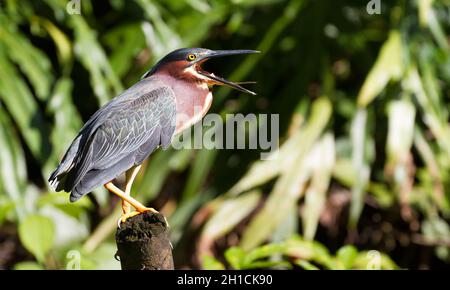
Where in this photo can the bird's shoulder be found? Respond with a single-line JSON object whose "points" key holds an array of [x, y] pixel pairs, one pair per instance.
{"points": [[149, 100], [149, 95], [143, 92], [145, 115]]}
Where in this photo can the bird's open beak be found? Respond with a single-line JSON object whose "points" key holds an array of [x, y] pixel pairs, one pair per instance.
{"points": [[219, 80]]}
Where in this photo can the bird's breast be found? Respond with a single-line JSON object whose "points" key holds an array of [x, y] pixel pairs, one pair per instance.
{"points": [[193, 102]]}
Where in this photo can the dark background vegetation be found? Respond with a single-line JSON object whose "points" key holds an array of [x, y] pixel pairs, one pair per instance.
{"points": [[362, 176]]}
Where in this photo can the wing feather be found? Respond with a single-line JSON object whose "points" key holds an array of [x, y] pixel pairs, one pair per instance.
{"points": [[132, 125]]}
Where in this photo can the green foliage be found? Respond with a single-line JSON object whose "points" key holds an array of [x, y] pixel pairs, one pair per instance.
{"points": [[364, 150], [229, 213], [387, 67], [37, 234], [291, 183], [28, 266], [308, 255]]}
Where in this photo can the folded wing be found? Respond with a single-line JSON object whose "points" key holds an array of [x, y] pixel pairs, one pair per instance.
{"points": [[120, 135]]}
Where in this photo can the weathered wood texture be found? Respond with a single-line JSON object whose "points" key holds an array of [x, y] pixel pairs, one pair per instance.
{"points": [[143, 243]]}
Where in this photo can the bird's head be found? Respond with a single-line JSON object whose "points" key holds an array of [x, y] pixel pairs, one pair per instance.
{"points": [[186, 64]]}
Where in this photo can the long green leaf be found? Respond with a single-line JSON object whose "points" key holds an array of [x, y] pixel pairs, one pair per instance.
{"points": [[360, 165], [33, 62], [24, 109], [388, 66], [229, 214], [289, 187], [37, 234], [315, 195], [88, 50]]}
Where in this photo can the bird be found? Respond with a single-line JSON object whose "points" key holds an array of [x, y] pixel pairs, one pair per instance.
{"points": [[123, 133]]}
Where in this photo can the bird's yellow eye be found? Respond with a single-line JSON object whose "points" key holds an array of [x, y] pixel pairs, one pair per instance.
{"points": [[191, 56]]}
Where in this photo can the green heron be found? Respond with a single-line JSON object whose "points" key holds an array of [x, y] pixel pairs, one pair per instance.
{"points": [[125, 131]]}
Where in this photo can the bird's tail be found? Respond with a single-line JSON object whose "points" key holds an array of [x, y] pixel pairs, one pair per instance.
{"points": [[57, 179]]}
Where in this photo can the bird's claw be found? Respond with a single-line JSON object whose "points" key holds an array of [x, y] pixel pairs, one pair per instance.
{"points": [[128, 215]]}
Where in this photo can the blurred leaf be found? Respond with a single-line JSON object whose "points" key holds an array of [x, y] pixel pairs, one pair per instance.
{"points": [[256, 258], [425, 7], [343, 171], [180, 160], [59, 200], [182, 216], [288, 227], [37, 234], [433, 169], [360, 165], [67, 118], [374, 260], [24, 109], [347, 255], [436, 230], [102, 257], [131, 40], [299, 248], [289, 187], [91, 54], [12, 163], [388, 66], [289, 14], [28, 266], [5, 208], [305, 264], [283, 159], [269, 264], [203, 162], [155, 173], [61, 40], [235, 256], [159, 36], [400, 132], [254, 2], [399, 142], [252, 258], [210, 263], [229, 214], [200, 5], [33, 62], [315, 196], [428, 18], [437, 125]]}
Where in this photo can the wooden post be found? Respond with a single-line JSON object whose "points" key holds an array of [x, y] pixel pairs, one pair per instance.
{"points": [[143, 243]]}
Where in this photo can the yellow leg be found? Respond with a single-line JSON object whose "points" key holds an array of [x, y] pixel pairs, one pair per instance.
{"points": [[140, 208], [130, 176]]}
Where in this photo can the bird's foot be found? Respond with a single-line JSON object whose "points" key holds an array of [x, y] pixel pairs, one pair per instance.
{"points": [[128, 215], [145, 209]]}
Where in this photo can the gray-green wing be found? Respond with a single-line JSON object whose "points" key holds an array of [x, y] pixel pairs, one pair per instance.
{"points": [[120, 135], [136, 127]]}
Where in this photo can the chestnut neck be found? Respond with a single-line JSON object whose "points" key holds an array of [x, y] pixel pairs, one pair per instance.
{"points": [[176, 70], [193, 97]]}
